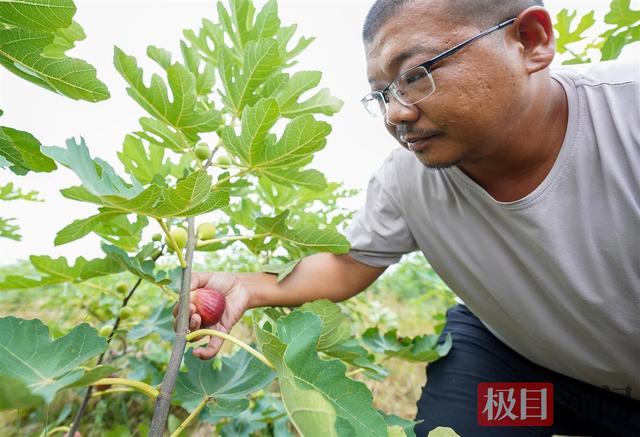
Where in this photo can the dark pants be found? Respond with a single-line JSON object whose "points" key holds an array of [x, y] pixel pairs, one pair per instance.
{"points": [[450, 396]]}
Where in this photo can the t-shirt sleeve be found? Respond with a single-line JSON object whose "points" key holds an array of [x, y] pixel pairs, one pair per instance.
{"points": [[378, 233]]}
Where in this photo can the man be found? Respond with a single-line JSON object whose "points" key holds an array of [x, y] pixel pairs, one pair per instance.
{"points": [[521, 186]]}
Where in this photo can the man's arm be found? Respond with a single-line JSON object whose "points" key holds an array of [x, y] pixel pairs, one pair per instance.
{"points": [[322, 275]]}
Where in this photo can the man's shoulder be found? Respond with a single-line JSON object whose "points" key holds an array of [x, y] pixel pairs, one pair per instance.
{"points": [[605, 73]]}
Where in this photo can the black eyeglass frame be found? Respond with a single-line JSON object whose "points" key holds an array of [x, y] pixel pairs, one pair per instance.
{"points": [[428, 64]]}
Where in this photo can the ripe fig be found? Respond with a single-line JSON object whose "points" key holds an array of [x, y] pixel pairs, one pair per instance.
{"points": [[206, 231], [202, 151], [209, 304]]}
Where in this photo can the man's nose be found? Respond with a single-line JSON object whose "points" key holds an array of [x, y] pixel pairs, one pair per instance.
{"points": [[397, 113]]}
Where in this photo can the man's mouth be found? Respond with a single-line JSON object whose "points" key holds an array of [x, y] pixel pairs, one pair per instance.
{"points": [[418, 144]]}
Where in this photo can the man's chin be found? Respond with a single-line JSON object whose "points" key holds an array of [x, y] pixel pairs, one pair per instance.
{"points": [[438, 164]]}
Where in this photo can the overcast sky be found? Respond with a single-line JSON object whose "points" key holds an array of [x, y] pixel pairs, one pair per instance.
{"points": [[356, 147]]}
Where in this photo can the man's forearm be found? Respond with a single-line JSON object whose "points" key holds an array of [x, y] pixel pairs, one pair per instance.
{"points": [[322, 275]]}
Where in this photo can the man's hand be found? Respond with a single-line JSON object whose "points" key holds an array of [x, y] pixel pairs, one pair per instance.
{"points": [[237, 302]]}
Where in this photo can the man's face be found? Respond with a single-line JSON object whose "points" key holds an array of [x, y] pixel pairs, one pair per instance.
{"points": [[479, 90]]}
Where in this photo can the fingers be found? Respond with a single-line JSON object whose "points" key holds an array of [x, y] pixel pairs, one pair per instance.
{"points": [[194, 322], [212, 348], [194, 318], [199, 279]]}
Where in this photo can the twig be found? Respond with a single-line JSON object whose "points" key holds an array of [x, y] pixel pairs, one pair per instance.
{"points": [[163, 403], [231, 238], [200, 332], [138, 385], [191, 416]]}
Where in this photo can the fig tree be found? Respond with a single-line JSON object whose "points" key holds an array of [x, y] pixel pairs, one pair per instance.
{"points": [[209, 304], [206, 231]]}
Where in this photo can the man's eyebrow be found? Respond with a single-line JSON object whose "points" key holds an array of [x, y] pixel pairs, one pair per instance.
{"points": [[398, 59]]}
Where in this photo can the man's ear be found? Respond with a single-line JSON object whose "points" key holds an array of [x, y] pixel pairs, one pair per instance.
{"points": [[534, 30]]}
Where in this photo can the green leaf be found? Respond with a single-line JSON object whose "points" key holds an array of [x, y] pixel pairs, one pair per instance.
{"points": [[299, 83], [302, 137], [9, 230], [96, 175], [261, 59], [45, 366], [37, 14], [267, 22], [181, 110], [205, 74], [144, 269], [160, 322], [101, 185], [14, 394], [123, 233], [8, 192], [442, 432], [282, 270], [283, 37], [423, 348], [144, 166], [160, 134], [79, 228], [405, 425], [321, 240], [239, 376], [319, 398], [57, 271], [22, 150], [566, 36], [93, 375], [336, 327], [614, 44], [293, 177], [621, 14], [21, 53], [64, 39], [352, 352], [257, 120]]}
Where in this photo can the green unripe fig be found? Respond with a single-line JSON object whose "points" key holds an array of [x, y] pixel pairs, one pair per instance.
{"points": [[223, 160], [202, 151], [125, 313], [156, 237], [122, 287], [105, 331], [206, 231], [180, 236]]}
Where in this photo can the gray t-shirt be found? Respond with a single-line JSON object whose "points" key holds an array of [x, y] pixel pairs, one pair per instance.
{"points": [[554, 275]]}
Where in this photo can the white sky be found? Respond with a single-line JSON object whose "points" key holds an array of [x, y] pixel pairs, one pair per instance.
{"points": [[356, 147]]}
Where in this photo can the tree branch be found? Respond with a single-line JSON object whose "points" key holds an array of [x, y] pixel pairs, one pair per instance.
{"points": [[163, 403]]}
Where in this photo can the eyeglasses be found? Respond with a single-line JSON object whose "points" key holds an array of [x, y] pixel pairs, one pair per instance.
{"points": [[416, 84]]}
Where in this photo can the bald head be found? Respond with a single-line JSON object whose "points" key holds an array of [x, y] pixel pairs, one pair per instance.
{"points": [[483, 13]]}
